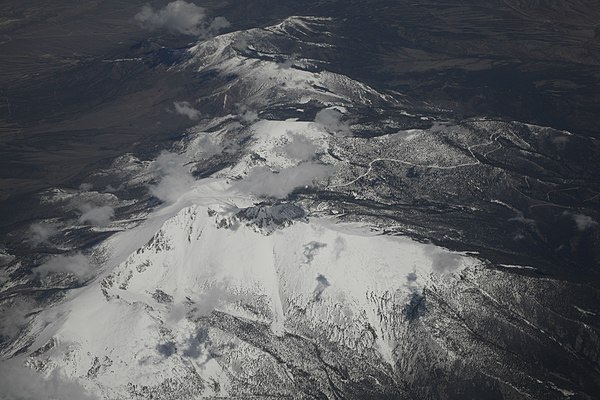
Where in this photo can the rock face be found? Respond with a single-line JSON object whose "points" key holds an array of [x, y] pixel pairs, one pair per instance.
{"points": [[269, 218], [313, 236]]}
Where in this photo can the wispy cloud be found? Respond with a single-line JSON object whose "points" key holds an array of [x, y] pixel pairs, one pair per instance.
{"points": [[560, 141], [215, 296], [206, 145], [181, 17], [5, 257], [246, 114], [299, 147], [262, 181], [219, 293], [86, 187], [174, 177], [288, 63], [443, 261], [13, 318], [95, 215], [582, 222], [18, 382], [331, 120], [77, 265], [186, 109], [41, 233]]}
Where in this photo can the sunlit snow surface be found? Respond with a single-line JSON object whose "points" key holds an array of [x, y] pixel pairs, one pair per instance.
{"points": [[193, 257], [312, 277], [282, 246]]}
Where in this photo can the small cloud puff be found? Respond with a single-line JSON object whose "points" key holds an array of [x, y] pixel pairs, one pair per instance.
{"points": [[331, 119], [262, 181], [180, 17], [185, 108], [246, 114], [443, 261], [207, 145], [13, 317], [288, 63], [77, 265], [175, 177], [97, 216], [86, 187], [41, 233], [560, 141], [19, 382], [299, 147], [583, 222]]}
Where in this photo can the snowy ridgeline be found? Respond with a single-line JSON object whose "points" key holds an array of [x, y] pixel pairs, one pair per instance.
{"points": [[229, 286], [314, 278], [216, 246], [215, 249]]}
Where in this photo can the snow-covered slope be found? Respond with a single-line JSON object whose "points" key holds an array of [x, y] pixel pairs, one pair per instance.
{"points": [[283, 271], [143, 325], [314, 278]]}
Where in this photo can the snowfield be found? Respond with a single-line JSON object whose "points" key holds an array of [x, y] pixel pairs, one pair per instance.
{"points": [[308, 276], [231, 287]]}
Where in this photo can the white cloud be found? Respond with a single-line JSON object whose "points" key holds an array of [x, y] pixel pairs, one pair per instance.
{"points": [[21, 383], [218, 24], [262, 181], [98, 216], [13, 317], [560, 141], [207, 145], [299, 147], [443, 261], [583, 222], [331, 119], [5, 257], [177, 313], [180, 17], [246, 114], [218, 294], [288, 63], [86, 187], [77, 265], [175, 177], [185, 108], [214, 297], [41, 233], [249, 116]]}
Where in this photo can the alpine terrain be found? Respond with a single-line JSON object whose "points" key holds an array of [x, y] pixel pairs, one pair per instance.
{"points": [[300, 200]]}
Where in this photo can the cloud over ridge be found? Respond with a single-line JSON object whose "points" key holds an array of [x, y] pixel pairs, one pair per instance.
{"points": [[264, 182], [180, 17]]}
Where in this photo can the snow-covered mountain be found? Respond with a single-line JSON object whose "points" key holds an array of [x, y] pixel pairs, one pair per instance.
{"points": [[291, 254]]}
